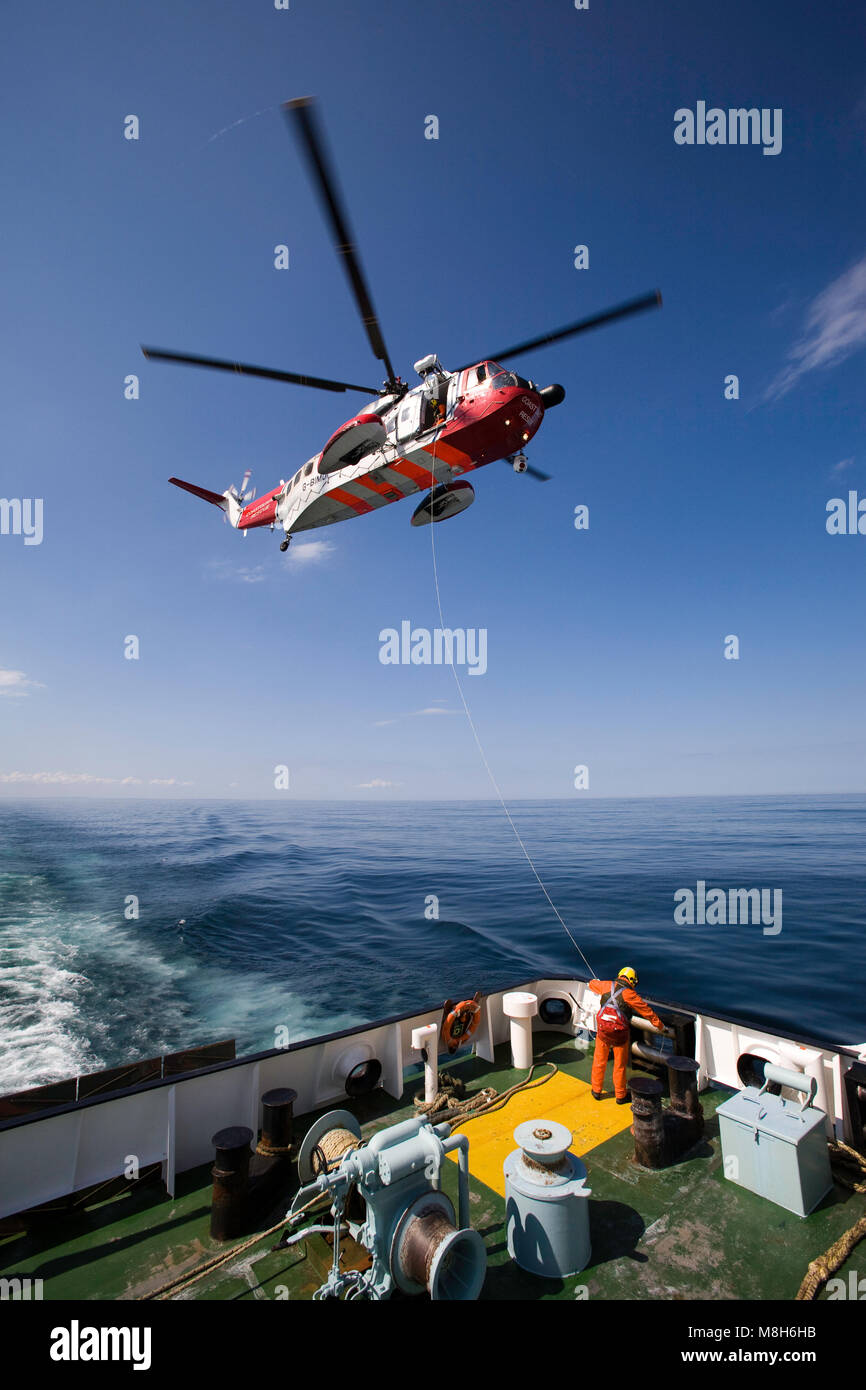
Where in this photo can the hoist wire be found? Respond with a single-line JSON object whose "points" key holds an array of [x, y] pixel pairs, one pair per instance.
{"points": [[481, 752]]}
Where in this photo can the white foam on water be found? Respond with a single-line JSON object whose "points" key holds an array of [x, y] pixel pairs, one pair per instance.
{"points": [[252, 1008], [39, 1002], [80, 992], [50, 1027]]}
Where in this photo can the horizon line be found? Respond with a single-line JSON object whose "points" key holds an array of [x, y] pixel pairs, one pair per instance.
{"points": [[275, 798]]}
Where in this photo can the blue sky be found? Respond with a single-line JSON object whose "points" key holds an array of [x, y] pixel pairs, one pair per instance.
{"points": [[707, 516]]}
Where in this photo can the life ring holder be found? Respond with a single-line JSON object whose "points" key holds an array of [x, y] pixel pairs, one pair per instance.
{"points": [[460, 1022]]}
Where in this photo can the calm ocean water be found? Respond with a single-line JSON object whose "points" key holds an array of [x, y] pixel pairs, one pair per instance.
{"points": [[256, 915]]}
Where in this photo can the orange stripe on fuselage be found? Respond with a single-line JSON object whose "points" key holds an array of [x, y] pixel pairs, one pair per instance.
{"points": [[421, 476], [349, 499], [386, 490], [447, 452]]}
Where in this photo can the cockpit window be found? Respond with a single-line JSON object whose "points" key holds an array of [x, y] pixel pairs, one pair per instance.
{"points": [[499, 377], [493, 377]]}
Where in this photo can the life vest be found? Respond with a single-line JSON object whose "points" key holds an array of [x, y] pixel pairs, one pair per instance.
{"points": [[612, 1021]]}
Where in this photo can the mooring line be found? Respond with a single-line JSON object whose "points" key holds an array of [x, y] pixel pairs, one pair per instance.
{"points": [[483, 755]]}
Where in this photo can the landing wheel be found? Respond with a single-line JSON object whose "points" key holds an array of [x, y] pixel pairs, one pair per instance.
{"points": [[284, 545]]}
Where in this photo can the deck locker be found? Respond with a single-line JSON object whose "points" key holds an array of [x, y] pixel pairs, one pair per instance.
{"points": [[777, 1147]]}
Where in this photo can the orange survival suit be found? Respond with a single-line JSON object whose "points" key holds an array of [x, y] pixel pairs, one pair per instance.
{"points": [[629, 1002]]}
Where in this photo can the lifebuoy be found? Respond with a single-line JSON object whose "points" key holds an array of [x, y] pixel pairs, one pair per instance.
{"points": [[460, 1023]]}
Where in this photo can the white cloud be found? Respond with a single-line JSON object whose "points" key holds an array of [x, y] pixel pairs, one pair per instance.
{"points": [[305, 553], [834, 328], [413, 714], [243, 574], [376, 782], [842, 465], [17, 683], [54, 778], [63, 779], [309, 552]]}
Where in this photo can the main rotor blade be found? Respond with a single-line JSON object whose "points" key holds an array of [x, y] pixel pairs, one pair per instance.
{"points": [[244, 369], [301, 111], [620, 311]]}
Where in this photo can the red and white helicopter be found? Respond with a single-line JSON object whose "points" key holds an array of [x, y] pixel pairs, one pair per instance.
{"points": [[404, 440]]}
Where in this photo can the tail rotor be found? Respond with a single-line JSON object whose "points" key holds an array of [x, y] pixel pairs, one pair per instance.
{"points": [[240, 495]]}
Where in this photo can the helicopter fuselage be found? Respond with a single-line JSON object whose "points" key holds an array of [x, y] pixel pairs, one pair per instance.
{"points": [[449, 425], [404, 440]]}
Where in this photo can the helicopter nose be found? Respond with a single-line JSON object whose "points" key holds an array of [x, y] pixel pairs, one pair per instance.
{"points": [[552, 395]]}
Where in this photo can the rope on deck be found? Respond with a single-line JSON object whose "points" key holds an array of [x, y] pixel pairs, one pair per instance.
{"points": [[175, 1286], [820, 1270], [447, 1105]]}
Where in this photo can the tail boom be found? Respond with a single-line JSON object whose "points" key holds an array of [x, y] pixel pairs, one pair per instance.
{"points": [[226, 501]]}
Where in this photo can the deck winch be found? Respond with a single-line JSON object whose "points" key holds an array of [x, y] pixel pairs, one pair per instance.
{"points": [[405, 1221]]}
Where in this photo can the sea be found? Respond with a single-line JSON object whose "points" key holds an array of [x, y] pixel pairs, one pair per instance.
{"points": [[132, 929]]}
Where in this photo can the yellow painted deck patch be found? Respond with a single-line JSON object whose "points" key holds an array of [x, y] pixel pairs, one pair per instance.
{"points": [[563, 1098]]}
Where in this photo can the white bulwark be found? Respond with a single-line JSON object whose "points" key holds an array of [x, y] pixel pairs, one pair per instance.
{"points": [[50, 1154]]}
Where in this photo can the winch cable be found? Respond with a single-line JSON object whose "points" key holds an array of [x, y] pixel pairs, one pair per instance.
{"points": [[487, 766]]}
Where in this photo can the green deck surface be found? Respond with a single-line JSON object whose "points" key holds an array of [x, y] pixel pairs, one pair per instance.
{"points": [[684, 1232]]}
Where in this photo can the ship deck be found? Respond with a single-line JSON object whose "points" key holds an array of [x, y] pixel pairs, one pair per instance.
{"points": [[683, 1232]]}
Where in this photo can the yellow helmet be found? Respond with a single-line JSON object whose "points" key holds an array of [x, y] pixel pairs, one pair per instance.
{"points": [[628, 974]]}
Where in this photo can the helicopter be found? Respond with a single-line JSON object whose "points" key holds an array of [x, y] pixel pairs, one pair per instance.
{"points": [[406, 439]]}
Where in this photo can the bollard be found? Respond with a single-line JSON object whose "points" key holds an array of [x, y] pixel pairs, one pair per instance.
{"points": [[683, 1088], [277, 1117], [230, 1180], [648, 1128], [684, 1120]]}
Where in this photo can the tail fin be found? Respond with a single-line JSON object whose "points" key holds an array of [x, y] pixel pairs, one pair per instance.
{"points": [[226, 501]]}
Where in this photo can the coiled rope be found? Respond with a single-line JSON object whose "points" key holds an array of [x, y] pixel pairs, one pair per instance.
{"points": [[331, 1148], [447, 1105]]}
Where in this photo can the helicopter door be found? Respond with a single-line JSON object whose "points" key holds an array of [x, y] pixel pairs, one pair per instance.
{"points": [[409, 415]]}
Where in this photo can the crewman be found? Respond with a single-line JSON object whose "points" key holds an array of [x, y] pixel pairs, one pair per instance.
{"points": [[619, 1001]]}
